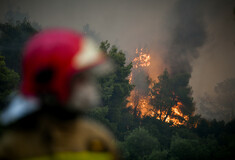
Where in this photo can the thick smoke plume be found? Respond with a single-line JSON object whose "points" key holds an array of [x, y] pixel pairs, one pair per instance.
{"points": [[188, 34]]}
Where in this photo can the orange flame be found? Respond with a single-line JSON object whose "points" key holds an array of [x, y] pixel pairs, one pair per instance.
{"points": [[143, 60], [130, 78], [142, 103]]}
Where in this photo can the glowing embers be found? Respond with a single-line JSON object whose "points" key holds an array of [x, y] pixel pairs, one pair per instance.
{"points": [[143, 60]]}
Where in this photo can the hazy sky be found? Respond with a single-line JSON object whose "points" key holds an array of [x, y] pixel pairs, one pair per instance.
{"points": [[199, 35]]}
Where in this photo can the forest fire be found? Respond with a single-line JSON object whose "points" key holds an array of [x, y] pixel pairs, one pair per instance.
{"points": [[139, 99], [143, 60], [177, 112]]}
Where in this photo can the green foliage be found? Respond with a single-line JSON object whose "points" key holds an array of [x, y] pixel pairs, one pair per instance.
{"points": [[12, 38], [184, 148], [99, 113], [195, 148], [185, 133], [115, 88], [139, 144], [8, 81], [159, 155], [161, 130]]}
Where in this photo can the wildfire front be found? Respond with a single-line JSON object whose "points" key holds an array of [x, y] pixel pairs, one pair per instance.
{"points": [[142, 96]]}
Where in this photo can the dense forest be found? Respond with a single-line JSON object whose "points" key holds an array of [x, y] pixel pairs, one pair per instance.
{"points": [[138, 137]]}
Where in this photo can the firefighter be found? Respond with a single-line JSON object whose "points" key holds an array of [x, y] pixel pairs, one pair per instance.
{"points": [[45, 119]]}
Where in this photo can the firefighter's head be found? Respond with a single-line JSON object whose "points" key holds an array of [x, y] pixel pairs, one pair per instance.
{"points": [[58, 67], [58, 63]]}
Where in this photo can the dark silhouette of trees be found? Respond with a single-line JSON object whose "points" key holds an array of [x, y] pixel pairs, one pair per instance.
{"points": [[12, 39], [8, 81], [167, 92]]}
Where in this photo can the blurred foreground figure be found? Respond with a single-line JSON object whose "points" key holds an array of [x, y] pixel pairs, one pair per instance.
{"points": [[45, 119]]}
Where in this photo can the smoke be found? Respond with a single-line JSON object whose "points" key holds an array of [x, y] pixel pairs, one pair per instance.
{"points": [[16, 15], [215, 65], [222, 105], [91, 33], [202, 43], [140, 80], [188, 35]]}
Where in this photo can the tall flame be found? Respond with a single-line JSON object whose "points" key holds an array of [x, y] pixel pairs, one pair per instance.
{"points": [[143, 60], [141, 103]]}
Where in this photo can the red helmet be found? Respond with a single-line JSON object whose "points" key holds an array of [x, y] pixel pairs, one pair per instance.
{"points": [[55, 56]]}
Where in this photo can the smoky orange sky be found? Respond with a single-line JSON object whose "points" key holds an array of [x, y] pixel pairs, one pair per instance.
{"points": [[193, 36]]}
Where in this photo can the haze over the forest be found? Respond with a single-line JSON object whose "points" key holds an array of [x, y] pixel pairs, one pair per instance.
{"points": [[196, 36]]}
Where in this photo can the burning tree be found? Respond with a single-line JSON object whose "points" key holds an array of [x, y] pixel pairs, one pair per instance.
{"points": [[171, 98], [168, 98], [139, 77]]}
